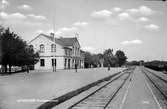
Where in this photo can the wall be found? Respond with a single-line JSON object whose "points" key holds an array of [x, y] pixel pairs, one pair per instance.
{"points": [[48, 55]]}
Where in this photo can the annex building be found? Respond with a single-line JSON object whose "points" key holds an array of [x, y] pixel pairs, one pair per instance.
{"points": [[64, 53]]}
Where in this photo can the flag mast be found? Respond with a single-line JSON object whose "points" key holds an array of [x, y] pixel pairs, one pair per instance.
{"points": [[54, 40]]}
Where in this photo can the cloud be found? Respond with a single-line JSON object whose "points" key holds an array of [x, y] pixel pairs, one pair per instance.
{"points": [[152, 27], [88, 48], [144, 10], [4, 4], [80, 23], [143, 19], [124, 16], [37, 17], [131, 42], [66, 31], [13, 16], [127, 16], [63, 31], [117, 9], [17, 19], [103, 14], [20, 16], [21, 23], [58, 33], [132, 10], [39, 31], [29, 23], [25, 7]]}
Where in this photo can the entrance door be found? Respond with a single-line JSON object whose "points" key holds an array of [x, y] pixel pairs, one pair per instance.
{"points": [[68, 63], [54, 64], [65, 63]]}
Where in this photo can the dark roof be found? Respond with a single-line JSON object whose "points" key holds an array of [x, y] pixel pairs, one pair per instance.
{"points": [[68, 41], [67, 48], [55, 39], [82, 51], [61, 41]]}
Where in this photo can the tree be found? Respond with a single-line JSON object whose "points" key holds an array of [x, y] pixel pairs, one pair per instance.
{"points": [[101, 59], [109, 58], [121, 57], [95, 60], [15, 51], [88, 59], [1, 30]]}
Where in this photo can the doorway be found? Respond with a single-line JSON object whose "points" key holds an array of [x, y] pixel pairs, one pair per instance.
{"points": [[54, 63]]}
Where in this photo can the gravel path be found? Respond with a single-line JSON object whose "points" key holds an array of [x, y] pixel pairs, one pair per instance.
{"points": [[28, 91]]}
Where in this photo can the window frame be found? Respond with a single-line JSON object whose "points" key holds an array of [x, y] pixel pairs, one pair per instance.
{"points": [[42, 48], [42, 62], [53, 48]]}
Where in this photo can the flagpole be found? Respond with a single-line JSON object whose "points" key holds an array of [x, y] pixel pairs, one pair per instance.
{"points": [[53, 24]]}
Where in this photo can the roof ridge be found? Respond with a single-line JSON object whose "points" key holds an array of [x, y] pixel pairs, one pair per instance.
{"points": [[63, 41]]}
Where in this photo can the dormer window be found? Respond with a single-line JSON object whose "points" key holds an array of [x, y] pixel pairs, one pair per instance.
{"points": [[53, 48], [42, 48]]}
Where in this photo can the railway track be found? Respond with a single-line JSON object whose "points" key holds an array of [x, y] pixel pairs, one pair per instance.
{"points": [[103, 96], [159, 83], [161, 78]]}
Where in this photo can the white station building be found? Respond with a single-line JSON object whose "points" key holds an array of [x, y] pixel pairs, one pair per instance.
{"points": [[64, 53]]}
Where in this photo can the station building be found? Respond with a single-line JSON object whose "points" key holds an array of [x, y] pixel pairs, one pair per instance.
{"points": [[64, 53]]}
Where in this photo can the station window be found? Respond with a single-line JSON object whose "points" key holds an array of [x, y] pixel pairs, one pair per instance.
{"points": [[53, 48], [42, 48], [42, 62]]}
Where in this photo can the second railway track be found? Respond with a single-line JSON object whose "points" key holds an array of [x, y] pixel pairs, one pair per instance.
{"points": [[160, 84]]}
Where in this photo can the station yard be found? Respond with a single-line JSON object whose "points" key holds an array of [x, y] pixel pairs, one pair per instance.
{"points": [[28, 91]]}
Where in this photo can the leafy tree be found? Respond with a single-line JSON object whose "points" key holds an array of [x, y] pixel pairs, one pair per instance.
{"points": [[1, 30], [88, 59], [121, 57], [92, 59], [15, 51], [132, 63], [100, 56], [101, 59], [95, 60], [109, 58]]}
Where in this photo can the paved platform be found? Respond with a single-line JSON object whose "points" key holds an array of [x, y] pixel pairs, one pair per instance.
{"points": [[139, 94], [28, 91]]}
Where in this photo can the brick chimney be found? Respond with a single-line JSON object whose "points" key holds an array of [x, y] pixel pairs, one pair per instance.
{"points": [[52, 34]]}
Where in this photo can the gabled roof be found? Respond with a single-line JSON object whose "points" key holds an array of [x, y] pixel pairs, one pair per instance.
{"points": [[65, 42], [82, 51], [55, 39], [50, 38]]}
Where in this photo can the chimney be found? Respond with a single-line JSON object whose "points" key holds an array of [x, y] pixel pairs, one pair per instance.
{"points": [[52, 35]]}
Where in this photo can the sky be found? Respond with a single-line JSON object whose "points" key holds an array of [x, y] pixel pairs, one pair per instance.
{"points": [[138, 27]]}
